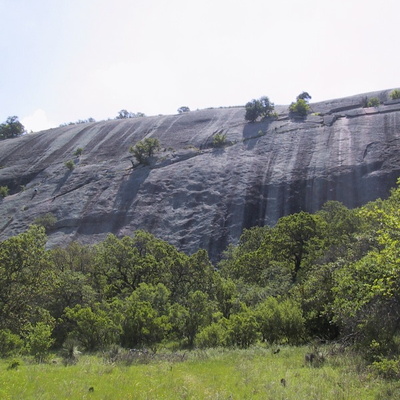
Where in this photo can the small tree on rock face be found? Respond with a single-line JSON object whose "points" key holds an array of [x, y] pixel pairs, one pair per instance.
{"points": [[304, 96], [259, 108], [144, 149], [11, 128], [183, 109]]}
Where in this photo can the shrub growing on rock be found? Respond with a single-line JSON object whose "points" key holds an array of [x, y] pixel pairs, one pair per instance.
{"points": [[144, 149], [258, 108], [78, 151], [70, 164], [3, 191], [219, 139], [373, 102], [395, 94], [47, 221], [300, 108]]}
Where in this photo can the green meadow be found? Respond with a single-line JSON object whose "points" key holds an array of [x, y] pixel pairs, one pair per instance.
{"points": [[254, 373]]}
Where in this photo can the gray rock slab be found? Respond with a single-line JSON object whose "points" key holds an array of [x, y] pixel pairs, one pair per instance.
{"points": [[191, 194]]}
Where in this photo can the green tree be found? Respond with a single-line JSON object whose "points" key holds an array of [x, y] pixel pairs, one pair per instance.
{"points": [[146, 321], [11, 128], [258, 108], [145, 149], [304, 96], [369, 288], [213, 335], [242, 328], [316, 298], [39, 340], [10, 343], [280, 322], [26, 277], [94, 327], [122, 264], [190, 318], [292, 237]]}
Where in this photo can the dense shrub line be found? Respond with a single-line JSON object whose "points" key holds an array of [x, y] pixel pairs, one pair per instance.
{"points": [[329, 275]]}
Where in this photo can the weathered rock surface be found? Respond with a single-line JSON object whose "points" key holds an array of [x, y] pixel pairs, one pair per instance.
{"points": [[191, 194]]}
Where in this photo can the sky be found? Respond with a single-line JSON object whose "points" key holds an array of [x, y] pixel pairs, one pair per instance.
{"points": [[65, 60]]}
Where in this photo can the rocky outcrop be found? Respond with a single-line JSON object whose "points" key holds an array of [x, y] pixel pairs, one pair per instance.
{"points": [[191, 194]]}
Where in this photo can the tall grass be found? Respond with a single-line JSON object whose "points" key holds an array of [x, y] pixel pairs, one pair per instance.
{"points": [[256, 373]]}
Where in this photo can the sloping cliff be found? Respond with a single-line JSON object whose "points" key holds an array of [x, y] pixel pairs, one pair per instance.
{"points": [[191, 194]]}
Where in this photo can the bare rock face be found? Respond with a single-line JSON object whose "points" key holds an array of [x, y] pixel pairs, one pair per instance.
{"points": [[192, 194]]}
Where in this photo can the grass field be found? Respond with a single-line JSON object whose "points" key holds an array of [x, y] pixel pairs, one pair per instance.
{"points": [[256, 373]]}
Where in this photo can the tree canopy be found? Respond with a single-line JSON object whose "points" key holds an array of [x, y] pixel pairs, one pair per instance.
{"points": [[328, 275], [11, 128], [145, 149], [258, 108]]}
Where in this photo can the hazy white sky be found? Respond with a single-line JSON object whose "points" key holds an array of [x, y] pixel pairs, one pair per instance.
{"points": [[64, 60]]}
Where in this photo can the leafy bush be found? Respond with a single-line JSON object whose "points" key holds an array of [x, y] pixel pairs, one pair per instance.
{"points": [[373, 102], [78, 151], [15, 363], [144, 149], [395, 94], [3, 191], [258, 108], [39, 340], [9, 343], [94, 329], [213, 335], [280, 322], [242, 329], [70, 164], [387, 369], [47, 221], [219, 140], [300, 108]]}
